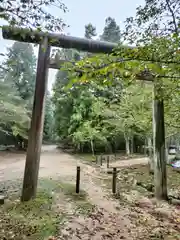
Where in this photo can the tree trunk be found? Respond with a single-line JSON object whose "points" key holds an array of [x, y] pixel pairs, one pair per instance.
{"points": [[160, 175], [114, 148], [92, 147], [132, 145], [127, 140], [145, 147], [167, 153], [150, 154], [177, 145]]}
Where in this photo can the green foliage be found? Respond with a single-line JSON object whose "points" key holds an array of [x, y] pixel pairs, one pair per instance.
{"points": [[32, 14], [132, 116], [111, 32], [82, 205], [97, 115], [78, 110], [14, 118], [107, 102], [97, 108], [18, 86], [90, 31], [154, 18], [69, 190], [21, 65], [34, 219]]}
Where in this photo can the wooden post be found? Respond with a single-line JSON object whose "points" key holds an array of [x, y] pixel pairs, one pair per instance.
{"points": [[2, 199], [101, 160], [132, 145], [114, 180], [108, 157], [78, 180], [37, 123], [145, 147], [160, 175]]}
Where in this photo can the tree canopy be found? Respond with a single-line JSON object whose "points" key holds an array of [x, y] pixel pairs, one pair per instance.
{"points": [[33, 14], [102, 103], [17, 91]]}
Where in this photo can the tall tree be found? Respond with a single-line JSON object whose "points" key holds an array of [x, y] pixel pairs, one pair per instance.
{"points": [[157, 23], [21, 73], [154, 18], [111, 32], [21, 65], [62, 98], [14, 115], [48, 132], [90, 31]]}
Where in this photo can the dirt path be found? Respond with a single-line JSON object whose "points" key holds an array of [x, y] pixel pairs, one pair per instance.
{"points": [[53, 163], [106, 223], [131, 162]]}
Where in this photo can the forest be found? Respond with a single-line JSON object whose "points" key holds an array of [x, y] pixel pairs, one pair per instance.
{"points": [[122, 108], [18, 76], [107, 111]]}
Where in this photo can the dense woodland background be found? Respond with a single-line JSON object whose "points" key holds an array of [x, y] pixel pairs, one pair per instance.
{"points": [[105, 112], [101, 104]]}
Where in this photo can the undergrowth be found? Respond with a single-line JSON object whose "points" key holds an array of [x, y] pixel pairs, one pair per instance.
{"points": [[34, 219], [39, 218], [138, 178], [135, 192], [82, 205]]}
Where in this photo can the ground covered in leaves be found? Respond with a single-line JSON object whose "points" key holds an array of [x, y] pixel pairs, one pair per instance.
{"points": [[44, 216], [58, 213], [153, 219]]}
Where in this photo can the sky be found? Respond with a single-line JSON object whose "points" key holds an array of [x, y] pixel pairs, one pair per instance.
{"points": [[82, 12]]}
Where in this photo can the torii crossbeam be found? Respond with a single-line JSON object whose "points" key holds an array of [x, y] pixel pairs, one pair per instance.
{"points": [[57, 40]]}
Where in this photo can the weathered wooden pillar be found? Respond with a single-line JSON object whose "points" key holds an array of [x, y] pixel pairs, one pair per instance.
{"points": [[160, 175], [37, 123]]}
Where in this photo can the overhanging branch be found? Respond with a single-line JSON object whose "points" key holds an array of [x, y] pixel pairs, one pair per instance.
{"points": [[143, 75]]}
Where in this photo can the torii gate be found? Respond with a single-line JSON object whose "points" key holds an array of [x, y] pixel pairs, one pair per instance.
{"points": [[45, 41]]}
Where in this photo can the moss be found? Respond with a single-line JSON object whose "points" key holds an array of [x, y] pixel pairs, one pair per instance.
{"points": [[86, 158], [34, 219], [82, 205], [39, 218], [69, 190]]}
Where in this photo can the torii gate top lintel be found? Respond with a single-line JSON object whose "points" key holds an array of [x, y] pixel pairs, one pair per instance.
{"points": [[57, 40]]}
